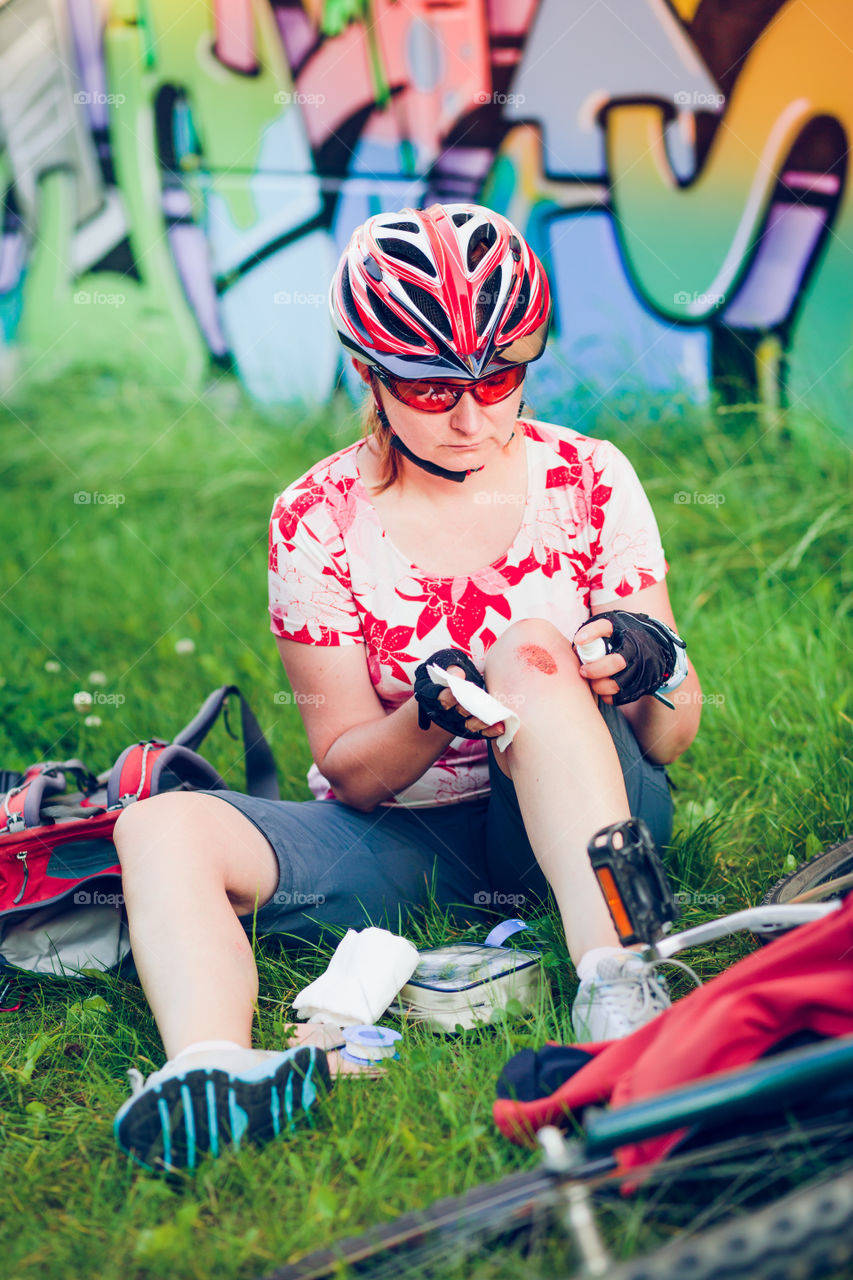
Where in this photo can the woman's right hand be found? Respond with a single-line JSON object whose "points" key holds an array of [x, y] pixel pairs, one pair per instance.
{"points": [[365, 751], [438, 705], [472, 724]]}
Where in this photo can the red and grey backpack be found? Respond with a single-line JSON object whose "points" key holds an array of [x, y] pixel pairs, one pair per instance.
{"points": [[60, 880]]}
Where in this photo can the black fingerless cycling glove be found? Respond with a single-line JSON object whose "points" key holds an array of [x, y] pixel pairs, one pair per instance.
{"points": [[650, 649], [430, 710]]}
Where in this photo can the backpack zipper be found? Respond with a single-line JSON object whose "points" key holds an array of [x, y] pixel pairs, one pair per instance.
{"points": [[22, 857]]}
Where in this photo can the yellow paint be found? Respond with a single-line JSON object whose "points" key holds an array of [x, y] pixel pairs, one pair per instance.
{"points": [[688, 248], [686, 9]]}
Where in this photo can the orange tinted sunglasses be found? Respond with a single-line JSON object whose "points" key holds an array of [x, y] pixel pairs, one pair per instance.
{"points": [[428, 396]]}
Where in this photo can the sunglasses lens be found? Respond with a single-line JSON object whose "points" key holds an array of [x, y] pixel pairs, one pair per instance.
{"points": [[437, 397], [428, 397], [500, 385]]}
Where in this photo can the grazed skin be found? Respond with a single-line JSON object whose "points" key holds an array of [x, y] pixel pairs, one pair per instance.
{"points": [[533, 655]]}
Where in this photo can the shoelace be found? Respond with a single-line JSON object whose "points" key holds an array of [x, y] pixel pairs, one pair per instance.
{"points": [[137, 1081], [634, 992]]}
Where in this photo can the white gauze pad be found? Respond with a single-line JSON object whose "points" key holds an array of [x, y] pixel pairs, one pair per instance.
{"points": [[478, 702]]}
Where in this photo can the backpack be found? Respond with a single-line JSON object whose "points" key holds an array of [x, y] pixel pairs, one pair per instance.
{"points": [[61, 906]]}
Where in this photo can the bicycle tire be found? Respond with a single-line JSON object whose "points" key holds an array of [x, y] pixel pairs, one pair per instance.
{"points": [[423, 1243], [517, 1197], [827, 865], [807, 1233]]}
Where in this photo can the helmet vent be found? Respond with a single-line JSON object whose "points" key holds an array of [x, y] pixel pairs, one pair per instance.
{"points": [[401, 226], [521, 304], [392, 322], [349, 304], [404, 251], [487, 300], [482, 239], [461, 218], [429, 307]]}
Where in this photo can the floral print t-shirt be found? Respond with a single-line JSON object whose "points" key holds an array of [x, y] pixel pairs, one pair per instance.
{"points": [[587, 537]]}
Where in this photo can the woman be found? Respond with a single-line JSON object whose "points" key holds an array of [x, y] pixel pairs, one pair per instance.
{"points": [[460, 533]]}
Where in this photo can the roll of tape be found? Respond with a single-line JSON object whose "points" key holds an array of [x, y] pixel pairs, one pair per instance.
{"points": [[370, 1044]]}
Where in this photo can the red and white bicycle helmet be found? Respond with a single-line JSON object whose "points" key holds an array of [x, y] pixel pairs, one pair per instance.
{"points": [[452, 291]]}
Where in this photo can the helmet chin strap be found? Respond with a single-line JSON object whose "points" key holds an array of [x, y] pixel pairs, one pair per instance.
{"points": [[432, 467]]}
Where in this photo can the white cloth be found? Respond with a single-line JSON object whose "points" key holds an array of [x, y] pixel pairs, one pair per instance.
{"points": [[364, 975], [477, 702]]}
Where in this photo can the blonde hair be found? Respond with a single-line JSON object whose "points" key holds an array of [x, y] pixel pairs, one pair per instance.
{"points": [[389, 460]]}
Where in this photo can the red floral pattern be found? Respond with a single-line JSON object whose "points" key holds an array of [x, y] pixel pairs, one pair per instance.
{"points": [[588, 536]]}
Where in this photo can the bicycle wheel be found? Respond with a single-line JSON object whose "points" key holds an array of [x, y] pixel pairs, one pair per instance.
{"points": [[519, 1225], [827, 874], [807, 1233]]}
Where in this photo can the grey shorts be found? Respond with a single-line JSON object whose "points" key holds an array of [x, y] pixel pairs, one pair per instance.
{"points": [[342, 868]]}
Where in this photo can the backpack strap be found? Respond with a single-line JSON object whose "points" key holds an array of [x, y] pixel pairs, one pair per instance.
{"points": [[22, 805], [85, 779], [186, 765], [138, 772], [261, 779]]}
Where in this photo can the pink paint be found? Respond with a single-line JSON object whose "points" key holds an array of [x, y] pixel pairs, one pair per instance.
{"points": [[826, 183], [235, 35]]}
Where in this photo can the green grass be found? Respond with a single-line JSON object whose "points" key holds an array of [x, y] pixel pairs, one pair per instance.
{"points": [[761, 586]]}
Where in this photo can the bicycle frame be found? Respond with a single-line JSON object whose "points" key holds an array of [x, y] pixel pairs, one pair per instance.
{"points": [[762, 920], [790, 1077]]}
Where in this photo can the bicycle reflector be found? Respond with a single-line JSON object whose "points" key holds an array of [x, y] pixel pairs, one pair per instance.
{"points": [[632, 878]]}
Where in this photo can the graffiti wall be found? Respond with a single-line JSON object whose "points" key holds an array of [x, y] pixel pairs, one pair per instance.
{"points": [[179, 177]]}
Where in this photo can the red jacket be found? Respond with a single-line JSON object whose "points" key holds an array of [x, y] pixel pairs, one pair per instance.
{"points": [[802, 981]]}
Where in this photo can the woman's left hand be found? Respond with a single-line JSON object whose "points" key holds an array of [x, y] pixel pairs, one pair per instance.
{"points": [[662, 731], [597, 673]]}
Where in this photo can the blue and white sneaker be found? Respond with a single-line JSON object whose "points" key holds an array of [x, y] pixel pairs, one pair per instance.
{"points": [[191, 1107]]}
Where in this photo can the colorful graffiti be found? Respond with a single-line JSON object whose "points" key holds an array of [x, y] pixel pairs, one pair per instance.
{"points": [[179, 178]]}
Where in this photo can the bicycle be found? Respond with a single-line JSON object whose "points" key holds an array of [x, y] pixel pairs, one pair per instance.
{"points": [[734, 1115], [828, 873]]}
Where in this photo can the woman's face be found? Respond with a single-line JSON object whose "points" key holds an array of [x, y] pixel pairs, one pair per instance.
{"points": [[464, 437]]}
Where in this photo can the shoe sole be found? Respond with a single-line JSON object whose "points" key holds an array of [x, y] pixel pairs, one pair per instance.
{"points": [[171, 1126]]}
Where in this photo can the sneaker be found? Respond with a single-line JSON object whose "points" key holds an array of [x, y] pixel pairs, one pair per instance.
{"points": [[190, 1107], [625, 993]]}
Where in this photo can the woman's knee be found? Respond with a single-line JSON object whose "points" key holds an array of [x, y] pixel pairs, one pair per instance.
{"points": [[531, 650], [191, 826], [200, 838], [157, 823]]}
